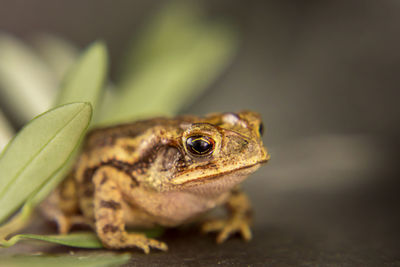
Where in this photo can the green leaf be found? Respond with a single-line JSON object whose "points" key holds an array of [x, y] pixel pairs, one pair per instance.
{"points": [[38, 151], [84, 82], [6, 131], [27, 85], [60, 54], [78, 240], [54, 180], [81, 259], [171, 30], [178, 57]]}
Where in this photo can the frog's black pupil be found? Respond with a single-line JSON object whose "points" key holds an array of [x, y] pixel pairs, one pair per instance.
{"points": [[199, 145], [261, 129]]}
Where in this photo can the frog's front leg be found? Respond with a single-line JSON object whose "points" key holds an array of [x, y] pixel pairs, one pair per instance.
{"points": [[110, 225], [239, 220]]}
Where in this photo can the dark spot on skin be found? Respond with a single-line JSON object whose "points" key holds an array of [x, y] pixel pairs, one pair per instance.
{"points": [[105, 178], [110, 228], [129, 148], [235, 192], [110, 204], [120, 165], [106, 141], [134, 181], [132, 185], [88, 192], [123, 166], [66, 198], [88, 174], [66, 195], [211, 165]]}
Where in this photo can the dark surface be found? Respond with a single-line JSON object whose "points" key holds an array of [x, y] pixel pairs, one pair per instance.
{"points": [[315, 230], [337, 229], [325, 77]]}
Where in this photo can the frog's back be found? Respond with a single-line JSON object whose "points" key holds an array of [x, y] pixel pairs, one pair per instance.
{"points": [[107, 136]]}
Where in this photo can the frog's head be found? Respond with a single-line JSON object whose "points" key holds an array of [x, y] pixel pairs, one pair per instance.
{"points": [[218, 152]]}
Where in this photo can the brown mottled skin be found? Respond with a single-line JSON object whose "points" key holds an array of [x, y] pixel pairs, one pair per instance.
{"points": [[151, 173]]}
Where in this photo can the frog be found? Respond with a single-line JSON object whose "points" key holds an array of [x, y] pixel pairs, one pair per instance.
{"points": [[163, 172]]}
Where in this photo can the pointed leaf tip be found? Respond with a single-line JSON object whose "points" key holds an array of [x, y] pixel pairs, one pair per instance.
{"points": [[84, 81]]}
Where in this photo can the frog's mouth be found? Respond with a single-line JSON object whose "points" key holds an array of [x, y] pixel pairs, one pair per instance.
{"points": [[219, 181], [217, 184], [201, 174]]}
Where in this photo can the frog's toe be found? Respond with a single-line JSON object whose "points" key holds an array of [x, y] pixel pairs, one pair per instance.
{"points": [[213, 226], [144, 243], [245, 231], [226, 228], [63, 224], [157, 244], [243, 228]]}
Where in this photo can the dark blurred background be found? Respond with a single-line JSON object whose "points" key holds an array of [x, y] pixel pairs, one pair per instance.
{"points": [[325, 76]]}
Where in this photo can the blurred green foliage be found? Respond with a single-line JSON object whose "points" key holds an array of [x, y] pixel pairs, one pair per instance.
{"points": [[172, 62], [176, 57]]}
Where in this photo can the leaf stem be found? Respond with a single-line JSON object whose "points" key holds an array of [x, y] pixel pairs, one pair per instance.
{"points": [[18, 222]]}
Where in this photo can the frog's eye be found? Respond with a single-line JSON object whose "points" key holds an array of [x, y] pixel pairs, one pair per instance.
{"points": [[261, 129], [200, 145]]}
